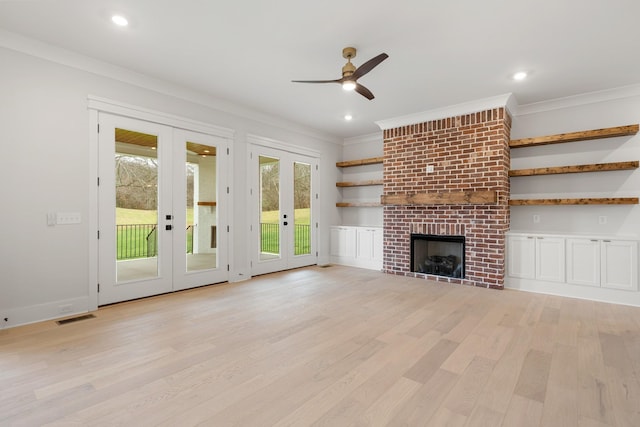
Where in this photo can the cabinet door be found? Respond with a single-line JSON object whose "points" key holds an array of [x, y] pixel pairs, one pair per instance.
{"points": [[550, 260], [619, 264], [521, 256], [343, 242], [364, 244], [378, 245], [583, 262]]}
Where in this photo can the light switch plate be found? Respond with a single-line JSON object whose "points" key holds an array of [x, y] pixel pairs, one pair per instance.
{"points": [[64, 218]]}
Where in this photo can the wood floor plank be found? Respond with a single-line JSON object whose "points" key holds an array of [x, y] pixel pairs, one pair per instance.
{"points": [[484, 417], [446, 417], [383, 410], [594, 400], [424, 368], [426, 400], [625, 397], [329, 347], [532, 382], [561, 398], [523, 412], [462, 398]]}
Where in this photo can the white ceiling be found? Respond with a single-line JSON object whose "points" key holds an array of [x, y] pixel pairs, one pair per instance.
{"points": [[440, 52]]}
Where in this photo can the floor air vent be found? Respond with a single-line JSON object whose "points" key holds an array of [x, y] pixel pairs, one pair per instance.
{"points": [[75, 319]]}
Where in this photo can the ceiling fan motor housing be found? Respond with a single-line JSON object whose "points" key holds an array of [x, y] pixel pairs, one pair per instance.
{"points": [[349, 68]]}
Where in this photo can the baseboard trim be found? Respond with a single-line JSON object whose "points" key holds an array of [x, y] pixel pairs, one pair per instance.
{"points": [[612, 296], [41, 312]]}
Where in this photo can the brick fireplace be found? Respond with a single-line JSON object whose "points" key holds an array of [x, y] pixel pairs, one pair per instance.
{"points": [[449, 177]]}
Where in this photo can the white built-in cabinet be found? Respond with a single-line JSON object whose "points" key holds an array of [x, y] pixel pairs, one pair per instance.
{"points": [[536, 257], [602, 262], [357, 246], [610, 263]]}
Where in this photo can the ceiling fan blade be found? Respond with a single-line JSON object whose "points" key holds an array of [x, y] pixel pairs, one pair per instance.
{"points": [[364, 91], [368, 66], [317, 81]]}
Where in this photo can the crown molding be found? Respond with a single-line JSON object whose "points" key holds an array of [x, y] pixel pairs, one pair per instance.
{"points": [[38, 49], [581, 99], [506, 100]]}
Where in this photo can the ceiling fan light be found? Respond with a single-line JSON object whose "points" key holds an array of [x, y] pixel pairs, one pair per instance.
{"points": [[120, 20], [348, 85], [520, 75]]}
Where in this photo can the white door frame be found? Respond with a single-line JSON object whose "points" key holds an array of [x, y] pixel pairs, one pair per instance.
{"points": [[255, 143], [99, 104]]}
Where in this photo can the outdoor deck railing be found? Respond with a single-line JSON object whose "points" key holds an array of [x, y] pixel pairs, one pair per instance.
{"points": [[270, 238], [141, 240]]}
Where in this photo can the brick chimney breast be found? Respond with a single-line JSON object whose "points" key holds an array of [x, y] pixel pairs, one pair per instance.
{"points": [[467, 153]]}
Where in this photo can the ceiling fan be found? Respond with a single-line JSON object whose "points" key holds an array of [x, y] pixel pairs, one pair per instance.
{"points": [[351, 74]]}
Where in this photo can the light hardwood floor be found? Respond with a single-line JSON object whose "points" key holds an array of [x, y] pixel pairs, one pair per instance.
{"points": [[331, 346]]}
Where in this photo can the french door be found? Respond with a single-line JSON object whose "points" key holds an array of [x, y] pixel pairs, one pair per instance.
{"points": [[161, 209], [284, 225]]}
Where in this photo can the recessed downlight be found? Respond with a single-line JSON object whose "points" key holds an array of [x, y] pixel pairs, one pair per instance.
{"points": [[520, 75], [120, 20], [348, 117]]}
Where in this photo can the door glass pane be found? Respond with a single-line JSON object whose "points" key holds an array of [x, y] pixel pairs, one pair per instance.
{"points": [[302, 208], [269, 207], [136, 172], [201, 226]]}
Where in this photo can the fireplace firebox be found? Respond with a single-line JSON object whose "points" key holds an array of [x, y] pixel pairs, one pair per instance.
{"points": [[438, 255]]}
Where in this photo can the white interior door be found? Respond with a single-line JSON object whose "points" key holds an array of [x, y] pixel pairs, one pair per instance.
{"points": [[152, 178], [283, 197]]}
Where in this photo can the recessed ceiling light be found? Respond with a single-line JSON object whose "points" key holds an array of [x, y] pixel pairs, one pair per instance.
{"points": [[520, 75], [348, 117], [120, 20]]}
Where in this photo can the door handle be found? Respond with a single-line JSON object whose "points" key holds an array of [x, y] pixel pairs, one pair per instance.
{"points": [[285, 223]]}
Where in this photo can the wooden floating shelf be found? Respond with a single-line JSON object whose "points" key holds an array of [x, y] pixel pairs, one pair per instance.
{"points": [[453, 198], [599, 167], [587, 201], [360, 162], [358, 205], [359, 183], [206, 203], [575, 136]]}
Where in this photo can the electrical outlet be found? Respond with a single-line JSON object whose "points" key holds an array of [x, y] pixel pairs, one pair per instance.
{"points": [[68, 218], [429, 168], [602, 220], [536, 219]]}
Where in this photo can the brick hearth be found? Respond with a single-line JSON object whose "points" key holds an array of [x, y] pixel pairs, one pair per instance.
{"points": [[469, 153]]}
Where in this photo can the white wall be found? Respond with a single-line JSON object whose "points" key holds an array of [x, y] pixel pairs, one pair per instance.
{"points": [[45, 166], [623, 220]]}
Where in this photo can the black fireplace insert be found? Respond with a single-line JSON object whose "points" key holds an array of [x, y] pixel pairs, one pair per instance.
{"points": [[438, 255]]}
